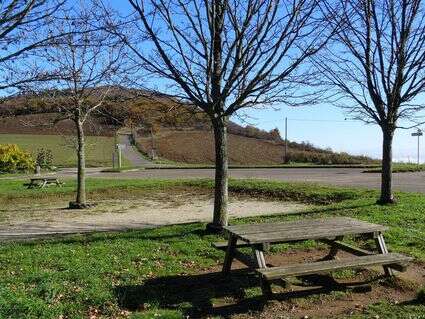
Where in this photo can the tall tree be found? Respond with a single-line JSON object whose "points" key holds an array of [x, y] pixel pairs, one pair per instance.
{"points": [[22, 24], [375, 67], [224, 56], [83, 63]]}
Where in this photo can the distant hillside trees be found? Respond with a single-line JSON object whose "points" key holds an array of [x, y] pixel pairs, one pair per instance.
{"points": [[375, 67], [224, 56]]}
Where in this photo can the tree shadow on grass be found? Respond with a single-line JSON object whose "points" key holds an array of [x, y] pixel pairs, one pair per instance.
{"points": [[212, 294], [194, 293], [333, 209], [82, 235]]}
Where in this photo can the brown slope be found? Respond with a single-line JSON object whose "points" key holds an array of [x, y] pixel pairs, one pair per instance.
{"points": [[42, 124], [198, 147]]}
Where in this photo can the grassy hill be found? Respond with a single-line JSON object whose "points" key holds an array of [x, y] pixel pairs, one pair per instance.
{"points": [[99, 148]]}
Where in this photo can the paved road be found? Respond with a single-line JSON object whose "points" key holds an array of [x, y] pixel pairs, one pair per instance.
{"points": [[412, 182], [131, 153]]}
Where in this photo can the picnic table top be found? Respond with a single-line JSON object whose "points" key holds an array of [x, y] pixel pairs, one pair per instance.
{"points": [[302, 230], [43, 178]]}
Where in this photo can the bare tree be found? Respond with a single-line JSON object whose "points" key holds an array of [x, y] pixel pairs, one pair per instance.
{"points": [[22, 24], [375, 67], [83, 63], [224, 56]]}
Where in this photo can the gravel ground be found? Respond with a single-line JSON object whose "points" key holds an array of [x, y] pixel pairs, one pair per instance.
{"points": [[115, 215]]}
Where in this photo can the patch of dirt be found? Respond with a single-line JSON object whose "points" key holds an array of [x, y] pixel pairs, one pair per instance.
{"points": [[153, 209], [334, 296], [210, 294]]}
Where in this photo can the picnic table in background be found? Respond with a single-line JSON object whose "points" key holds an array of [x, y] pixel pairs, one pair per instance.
{"points": [[41, 182], [328, 230]]}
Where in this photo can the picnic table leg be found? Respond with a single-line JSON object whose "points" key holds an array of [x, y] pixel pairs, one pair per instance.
{"points": [[382, 248], [334, 250], [230, 253], [261, 263]]}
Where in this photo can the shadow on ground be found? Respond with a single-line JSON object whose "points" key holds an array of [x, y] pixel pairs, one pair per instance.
{"points": [[213, 294], [77, 235]]}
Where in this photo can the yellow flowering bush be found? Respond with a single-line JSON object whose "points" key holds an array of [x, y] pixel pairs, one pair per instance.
{"points": [[13, 159]]}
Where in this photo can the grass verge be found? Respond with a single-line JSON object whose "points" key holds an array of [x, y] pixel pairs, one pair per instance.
{"points": [[13, 191], [99, 148], [400, 168], [147, 273], [292, 165]]}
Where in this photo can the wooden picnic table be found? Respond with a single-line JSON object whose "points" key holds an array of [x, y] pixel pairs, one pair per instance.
{"points": [[41, 182], [328, 230]]}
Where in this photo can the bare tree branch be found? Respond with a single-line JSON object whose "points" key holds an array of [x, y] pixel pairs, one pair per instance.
{"points": [[82, 66], [227, 55], [22, 24], [373, 67]]}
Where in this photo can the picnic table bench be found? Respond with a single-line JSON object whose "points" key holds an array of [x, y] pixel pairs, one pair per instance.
{"points": [[41, 182], [327, 230]]}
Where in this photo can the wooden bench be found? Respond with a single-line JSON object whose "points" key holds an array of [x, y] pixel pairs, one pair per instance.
{"points": [[331, 231], [41, 182], [222, 245], [391, 260]]}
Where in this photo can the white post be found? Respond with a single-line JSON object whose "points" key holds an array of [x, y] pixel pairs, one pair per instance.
{"points": [[418, 133], [119, 157], [418, 149]]}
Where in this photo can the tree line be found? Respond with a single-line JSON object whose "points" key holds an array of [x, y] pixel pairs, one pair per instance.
{"points": [[223, 57]]}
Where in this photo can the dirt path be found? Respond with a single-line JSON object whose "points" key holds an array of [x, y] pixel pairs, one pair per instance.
{"points": [[116, 215]]}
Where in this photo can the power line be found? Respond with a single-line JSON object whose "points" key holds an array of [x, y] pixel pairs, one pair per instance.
{"points": [[320, 120], [310, 120]]}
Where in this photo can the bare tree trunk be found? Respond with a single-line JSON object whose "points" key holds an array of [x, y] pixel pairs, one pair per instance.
{"points": [[387, 158], [81, 177], [221, 195]]}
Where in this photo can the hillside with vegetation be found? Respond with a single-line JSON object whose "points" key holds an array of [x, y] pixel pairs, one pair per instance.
{"points": [[197, 147], [175, 131]]}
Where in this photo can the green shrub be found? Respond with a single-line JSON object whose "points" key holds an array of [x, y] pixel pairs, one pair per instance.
{"points": [[44, 158], [13, 159]]}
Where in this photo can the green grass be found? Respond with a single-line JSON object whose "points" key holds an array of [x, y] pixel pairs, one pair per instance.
{"points": [[122, 169], [163, 272], [99, 148], [400, 168], [14, 191], [175, 165]]}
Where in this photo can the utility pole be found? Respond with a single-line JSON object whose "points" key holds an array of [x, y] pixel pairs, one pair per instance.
{"points": [[286, 141], [418, 133]]}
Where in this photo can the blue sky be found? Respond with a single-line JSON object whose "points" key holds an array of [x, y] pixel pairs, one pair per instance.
{"points": [[325, 126]]}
